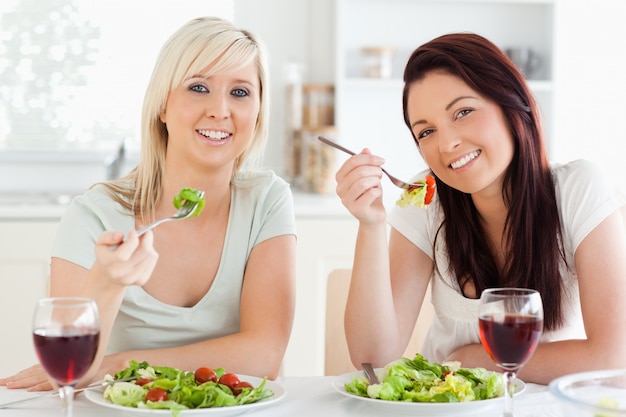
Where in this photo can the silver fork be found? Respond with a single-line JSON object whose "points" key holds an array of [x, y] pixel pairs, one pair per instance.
{"points": [[369, 372], [184, 212], [397, 182]]}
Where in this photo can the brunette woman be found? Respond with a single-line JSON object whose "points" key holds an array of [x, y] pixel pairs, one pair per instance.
{"points": [[503, 216]]}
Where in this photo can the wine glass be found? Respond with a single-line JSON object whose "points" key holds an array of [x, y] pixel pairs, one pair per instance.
{"points": [[66, 331], [510, 321]]}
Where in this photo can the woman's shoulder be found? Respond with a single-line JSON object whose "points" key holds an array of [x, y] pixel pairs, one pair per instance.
{"points": [[99, 196], [259, 181], [578, 169], [585, 196], [97, 192], [267, 199], [261, 189], [93, 197], [581, 177], [98, 202]]}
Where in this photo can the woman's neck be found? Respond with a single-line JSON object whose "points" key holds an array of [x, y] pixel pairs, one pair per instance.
{"points": [[216, 189], [492, 214]]}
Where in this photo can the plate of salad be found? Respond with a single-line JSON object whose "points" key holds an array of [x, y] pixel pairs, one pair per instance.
{"points": [[422, 388], [166, 391]]}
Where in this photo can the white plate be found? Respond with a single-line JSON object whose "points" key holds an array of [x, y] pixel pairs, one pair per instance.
{"points": [[420, 409], [96, 397]]}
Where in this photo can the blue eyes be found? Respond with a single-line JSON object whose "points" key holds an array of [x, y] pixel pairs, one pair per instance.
{"points": [[199, 88], [237, 92]]}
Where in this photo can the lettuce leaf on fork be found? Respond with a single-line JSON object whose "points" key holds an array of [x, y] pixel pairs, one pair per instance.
{"points": [[420, 195], [189, 194]]}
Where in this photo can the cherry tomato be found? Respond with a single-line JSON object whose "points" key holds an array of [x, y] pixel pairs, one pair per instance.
{"points": [[203, 375], [142, 381], [239, 387], [230, 380], [156, 394], [430, 190]]}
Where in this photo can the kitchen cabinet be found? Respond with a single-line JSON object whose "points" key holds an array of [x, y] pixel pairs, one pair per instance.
{"points": [[24, 269], [325, 244], [369, 109]]}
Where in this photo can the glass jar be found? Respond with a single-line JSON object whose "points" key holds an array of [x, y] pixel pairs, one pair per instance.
{"points": [[319, 105], [377, 61], [318, 161]]}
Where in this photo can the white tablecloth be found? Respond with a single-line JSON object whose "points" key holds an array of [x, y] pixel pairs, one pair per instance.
{"points": [[304, 397]]}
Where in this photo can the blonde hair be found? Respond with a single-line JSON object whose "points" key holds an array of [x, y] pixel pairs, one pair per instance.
{"points": [[206, 46]]}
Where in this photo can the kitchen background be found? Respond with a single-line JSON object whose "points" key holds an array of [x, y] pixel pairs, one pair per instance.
{"points": [[73, 73]]}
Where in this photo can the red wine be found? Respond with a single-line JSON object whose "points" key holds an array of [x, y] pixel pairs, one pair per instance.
{"points": [[511, 339], [66, 355]]}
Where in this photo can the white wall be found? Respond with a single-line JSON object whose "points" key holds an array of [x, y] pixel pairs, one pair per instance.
{"points": [[590, 81]]}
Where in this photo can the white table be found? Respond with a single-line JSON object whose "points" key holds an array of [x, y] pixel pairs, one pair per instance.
{"points": [[305, 397]]}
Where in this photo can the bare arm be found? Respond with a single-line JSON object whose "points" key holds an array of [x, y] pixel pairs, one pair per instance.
{"points": [[381, 285], [601, 267], [384, 302]]}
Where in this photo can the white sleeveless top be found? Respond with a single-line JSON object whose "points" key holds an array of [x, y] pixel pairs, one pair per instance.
{"points": [[584, 197]]}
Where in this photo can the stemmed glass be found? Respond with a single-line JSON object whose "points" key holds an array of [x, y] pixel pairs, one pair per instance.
{"points": [[510, 321], [66, 331]]}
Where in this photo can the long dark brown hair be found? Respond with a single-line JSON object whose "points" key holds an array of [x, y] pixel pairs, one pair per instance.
{"points": [[532, 232]]}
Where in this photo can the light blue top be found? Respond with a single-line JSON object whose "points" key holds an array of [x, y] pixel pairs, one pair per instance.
{"points": [[584, 198], [261, 208]]}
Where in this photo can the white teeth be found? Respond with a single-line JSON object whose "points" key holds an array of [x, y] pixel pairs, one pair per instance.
{"points": [[463, 161], [214, 135]]}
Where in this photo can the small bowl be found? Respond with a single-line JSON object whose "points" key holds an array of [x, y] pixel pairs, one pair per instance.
{"points": [[592, 394]]}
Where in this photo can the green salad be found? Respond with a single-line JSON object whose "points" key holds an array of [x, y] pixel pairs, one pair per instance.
{"points": [[160, 387], [420, 195], [190, 194], [419, 380]]}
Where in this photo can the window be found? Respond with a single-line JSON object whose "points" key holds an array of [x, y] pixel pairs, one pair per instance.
{"points": [[73, 72]]}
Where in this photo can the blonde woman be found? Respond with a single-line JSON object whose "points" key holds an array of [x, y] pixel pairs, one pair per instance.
{"points": [[215, 290]]}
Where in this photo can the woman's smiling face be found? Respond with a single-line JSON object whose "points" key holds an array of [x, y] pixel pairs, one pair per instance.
{"points": [[213, 119], [463, 136]]}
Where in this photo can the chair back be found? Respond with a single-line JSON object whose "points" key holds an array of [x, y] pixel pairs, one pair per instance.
{"points": [[337, 359]]}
